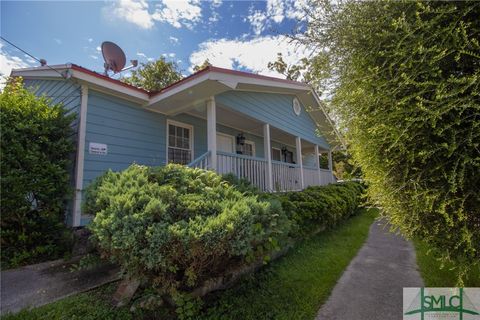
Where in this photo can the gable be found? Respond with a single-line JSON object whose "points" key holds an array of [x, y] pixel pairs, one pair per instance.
{"points": [[275, 109]]}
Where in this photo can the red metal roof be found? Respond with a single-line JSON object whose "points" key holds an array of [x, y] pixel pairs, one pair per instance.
{"points": [[186, 79], [104, 77]]}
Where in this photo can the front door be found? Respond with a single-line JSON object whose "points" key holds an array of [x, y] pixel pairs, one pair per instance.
{"points": [[225, 143]]}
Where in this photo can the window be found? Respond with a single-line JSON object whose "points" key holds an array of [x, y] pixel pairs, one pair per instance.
{"points": [[276, 154], [180, 137], [288, 157], [247, 149]]}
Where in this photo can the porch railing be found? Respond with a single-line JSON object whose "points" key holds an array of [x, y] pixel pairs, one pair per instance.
{"points": [[326, 177], [251, 168], [311, 177], [201, 162], [286, 176]]}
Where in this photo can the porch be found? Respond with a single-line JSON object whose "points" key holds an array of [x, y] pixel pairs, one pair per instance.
{"points": [[272, 159]]}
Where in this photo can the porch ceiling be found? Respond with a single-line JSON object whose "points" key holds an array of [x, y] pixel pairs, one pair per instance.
{"points": [[243, 123]]}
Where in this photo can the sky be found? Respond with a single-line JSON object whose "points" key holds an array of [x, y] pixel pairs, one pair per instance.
{"points": [[242, 35]]}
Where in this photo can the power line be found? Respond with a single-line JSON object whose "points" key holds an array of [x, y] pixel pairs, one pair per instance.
{"points": [[31, 56]]}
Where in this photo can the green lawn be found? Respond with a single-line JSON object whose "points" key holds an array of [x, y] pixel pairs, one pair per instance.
{"points": [[435, 275], [297, 285], [293, 287]]}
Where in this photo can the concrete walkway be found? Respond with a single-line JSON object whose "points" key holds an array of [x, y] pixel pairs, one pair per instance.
{"points": [[36, 285], [371, 288]]}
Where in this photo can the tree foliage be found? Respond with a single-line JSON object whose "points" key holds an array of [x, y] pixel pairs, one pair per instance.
{"points": [[35, 150], [407, 83], [205, 64], [154, 75]]}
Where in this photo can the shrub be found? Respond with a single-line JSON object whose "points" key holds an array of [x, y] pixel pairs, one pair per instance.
{"points": [[322, 206], [241, 184], [175, 227], [35, 150]]}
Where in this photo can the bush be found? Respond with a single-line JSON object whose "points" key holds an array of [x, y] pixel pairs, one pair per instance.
{"points": [[322, 206], [174, 227], [35, 150], [241, 184], [408, 94]]}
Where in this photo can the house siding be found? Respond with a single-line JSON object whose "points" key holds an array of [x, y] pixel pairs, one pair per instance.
{"points": [[275, 109], [130, 133]]}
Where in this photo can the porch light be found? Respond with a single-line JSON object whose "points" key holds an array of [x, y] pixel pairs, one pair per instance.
{"points": [[240, 139]]}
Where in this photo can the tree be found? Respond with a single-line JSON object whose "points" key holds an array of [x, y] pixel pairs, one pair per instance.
{"points": [[406, 81], [205, 64], [313, 70], [155, 75], [36, 149]]}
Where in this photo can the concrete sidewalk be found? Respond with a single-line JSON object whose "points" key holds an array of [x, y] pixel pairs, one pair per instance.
{"points": [[39, 284], [371, 286]]}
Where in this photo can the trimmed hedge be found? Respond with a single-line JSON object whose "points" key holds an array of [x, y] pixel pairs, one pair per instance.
{"points": [[322, 206], [175, 227]]}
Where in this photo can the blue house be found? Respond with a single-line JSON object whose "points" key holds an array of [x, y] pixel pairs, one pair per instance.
{"points": [[270, 131]]}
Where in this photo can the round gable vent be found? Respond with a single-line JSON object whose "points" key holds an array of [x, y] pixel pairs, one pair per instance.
{"points": [[297, 108]]}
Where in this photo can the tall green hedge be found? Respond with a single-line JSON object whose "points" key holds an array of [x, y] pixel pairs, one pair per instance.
{"points": [[35, 151], [407, 91]]}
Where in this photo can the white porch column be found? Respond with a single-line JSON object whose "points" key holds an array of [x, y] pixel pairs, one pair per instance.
{"points": [[298, 147], [330, 165], [79, 160], [317, 164], [268, 156], [212, 132]]}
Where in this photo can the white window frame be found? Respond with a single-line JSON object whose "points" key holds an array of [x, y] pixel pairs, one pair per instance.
{"points": [[254, 154], [280, 151], [182, 125], [228, 136]]}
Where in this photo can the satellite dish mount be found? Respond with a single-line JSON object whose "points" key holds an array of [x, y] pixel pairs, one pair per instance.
{"points": [[115, 58]]}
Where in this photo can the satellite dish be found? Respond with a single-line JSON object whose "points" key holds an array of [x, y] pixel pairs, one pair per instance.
{"points": [[114, 57]]}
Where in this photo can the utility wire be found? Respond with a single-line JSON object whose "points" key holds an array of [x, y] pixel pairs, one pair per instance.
{"points": [[33, 57], [54, 97]]}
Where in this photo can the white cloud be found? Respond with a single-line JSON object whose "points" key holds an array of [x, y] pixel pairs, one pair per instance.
{"points": [[184, 13], [141, 54], [173, 39], [9, 62], [276, 11], [257, 21], [58, 41], [134, 11], [90, 40], [93, 57], [179, 13], [98, 49], [29, 59], [169, 55], [254, 54], [216, 3]]}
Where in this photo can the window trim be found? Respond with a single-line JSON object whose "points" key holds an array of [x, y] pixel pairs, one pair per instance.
{"points": [[250, 142], [226, 135], [280, 151], [254, 154], [182, 125]]}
